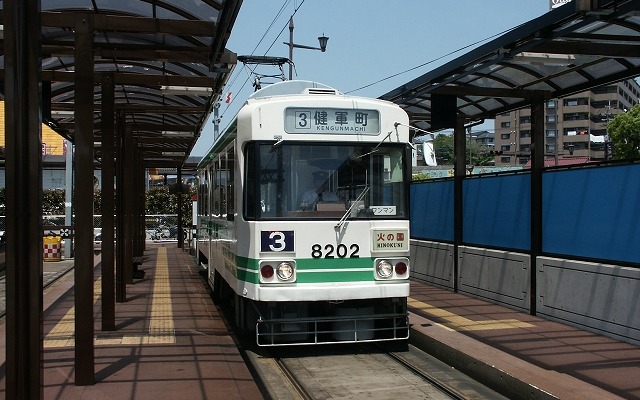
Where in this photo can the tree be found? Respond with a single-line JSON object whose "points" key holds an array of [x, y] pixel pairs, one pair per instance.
{"points": [[53, 201], [624, 131], [443, 149], [420, 177], [160, 201], [477, 154]]}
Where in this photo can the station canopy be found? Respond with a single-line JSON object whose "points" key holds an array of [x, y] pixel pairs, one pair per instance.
{"points": [[572, 48], [167, 59]]}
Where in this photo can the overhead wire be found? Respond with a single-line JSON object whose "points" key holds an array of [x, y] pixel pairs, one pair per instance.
{"points": [[432, 61], [286, 3], [252, 70], [296, 8]]}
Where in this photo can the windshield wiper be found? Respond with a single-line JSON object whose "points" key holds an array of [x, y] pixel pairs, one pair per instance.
{"points": [[338, 226], [377, 146], [278, 142]]}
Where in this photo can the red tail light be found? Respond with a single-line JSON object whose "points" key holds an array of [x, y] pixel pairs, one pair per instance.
{"points": [[266, 271], [401, 268]]}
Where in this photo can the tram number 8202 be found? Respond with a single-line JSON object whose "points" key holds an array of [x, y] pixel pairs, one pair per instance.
{"points": [[331, 251]]}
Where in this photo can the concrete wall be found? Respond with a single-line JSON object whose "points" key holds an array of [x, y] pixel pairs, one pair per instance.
{"points": [[498, 276], [432, 262], [598, 297]]}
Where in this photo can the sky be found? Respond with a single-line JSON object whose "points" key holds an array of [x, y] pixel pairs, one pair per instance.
{"points": [[374, 46]]}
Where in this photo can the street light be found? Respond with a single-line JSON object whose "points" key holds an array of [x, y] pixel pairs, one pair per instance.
{"points": [[321, 39]]}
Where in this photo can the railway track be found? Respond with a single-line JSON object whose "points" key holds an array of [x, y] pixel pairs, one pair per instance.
{"points": [[364, 371], [51, 275], [372, 371]]}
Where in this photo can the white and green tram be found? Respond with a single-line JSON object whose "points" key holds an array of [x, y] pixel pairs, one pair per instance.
{"points": [[300, 270]]}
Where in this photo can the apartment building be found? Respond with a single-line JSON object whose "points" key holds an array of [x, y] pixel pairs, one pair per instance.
{"points": [[575, 126], [52, 143]]}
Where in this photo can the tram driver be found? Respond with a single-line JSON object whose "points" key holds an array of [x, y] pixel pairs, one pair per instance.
{"points": [[321, 193]]}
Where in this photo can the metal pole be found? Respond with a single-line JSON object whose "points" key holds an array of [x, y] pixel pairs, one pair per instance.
{"points": [[291, 48], [516, 137], [537, 165], [216, 120], [83, 271], [128, 207], [24, 349], [108, 203], [179, 210], [459, 174], [606, 133], [68, 196], [121, 286]]}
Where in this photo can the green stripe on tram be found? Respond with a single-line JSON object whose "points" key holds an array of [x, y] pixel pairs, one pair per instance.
{"points": [[320, 270]]}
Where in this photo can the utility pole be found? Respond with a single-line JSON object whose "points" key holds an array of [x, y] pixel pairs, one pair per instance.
{"points": [[321, 39]]}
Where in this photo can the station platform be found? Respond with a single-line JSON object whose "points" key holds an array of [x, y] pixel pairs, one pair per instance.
{"points": [[171, 342], [526, 356]]}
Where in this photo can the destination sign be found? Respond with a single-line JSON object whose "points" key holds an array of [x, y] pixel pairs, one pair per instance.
{"points": [[389, 240], [332, 121]]}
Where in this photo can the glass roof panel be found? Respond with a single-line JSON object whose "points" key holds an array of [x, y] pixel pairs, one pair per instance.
{"points": [[561, 52], [198, 9], [137, 54], [518, 76], [205, 10], [610, 66]]}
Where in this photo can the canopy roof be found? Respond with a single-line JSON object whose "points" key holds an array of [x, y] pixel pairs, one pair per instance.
{"points": [[570, 49], [167, 59]]}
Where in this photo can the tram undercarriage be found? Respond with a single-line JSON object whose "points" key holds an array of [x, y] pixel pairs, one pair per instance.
{"points": [[316, 322]]}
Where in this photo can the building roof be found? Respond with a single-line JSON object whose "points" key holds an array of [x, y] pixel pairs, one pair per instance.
{"points": [[479, 135], [567, 50], [561, 162]]}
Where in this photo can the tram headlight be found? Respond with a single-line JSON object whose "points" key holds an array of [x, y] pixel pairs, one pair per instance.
{"points": [[285, 271], [384, 269], [272, 271], [396, 268]]}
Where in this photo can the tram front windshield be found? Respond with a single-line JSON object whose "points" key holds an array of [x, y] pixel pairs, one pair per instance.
{"points": [[319, 180]]}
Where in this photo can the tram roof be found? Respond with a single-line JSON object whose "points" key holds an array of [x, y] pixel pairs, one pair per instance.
{"points": [[572, 48], [287, 88], [167, 59], [220, 143]]}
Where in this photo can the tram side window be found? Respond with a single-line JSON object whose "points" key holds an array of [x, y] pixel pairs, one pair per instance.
{"points": [[203, 188], [200, 192], [250, 198], [208, 187], [229, 166], [218, 189], [222, 184]]}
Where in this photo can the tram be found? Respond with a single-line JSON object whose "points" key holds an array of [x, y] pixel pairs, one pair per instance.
{"points": [[303, 217]]}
